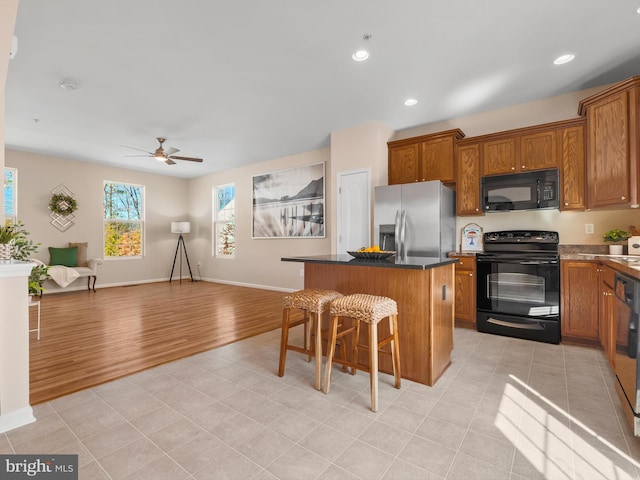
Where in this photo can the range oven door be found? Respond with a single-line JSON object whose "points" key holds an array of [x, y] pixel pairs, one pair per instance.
{"points": [[518, 295]]}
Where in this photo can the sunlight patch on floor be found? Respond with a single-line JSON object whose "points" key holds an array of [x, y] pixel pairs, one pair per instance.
{"points": [[557, 444]]}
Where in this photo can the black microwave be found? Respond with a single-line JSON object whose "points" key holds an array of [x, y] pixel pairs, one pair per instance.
{"points": [[520, 191]]}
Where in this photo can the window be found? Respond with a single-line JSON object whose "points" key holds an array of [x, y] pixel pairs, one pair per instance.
{"points": [[123, 220], [224, 226], [10, 195]]}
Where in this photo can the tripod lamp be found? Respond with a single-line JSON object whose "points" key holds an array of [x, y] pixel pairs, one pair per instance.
{"points": [[180, 228]]}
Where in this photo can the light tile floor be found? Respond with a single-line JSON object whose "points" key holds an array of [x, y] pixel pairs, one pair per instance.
{"points": [[505, 409]]}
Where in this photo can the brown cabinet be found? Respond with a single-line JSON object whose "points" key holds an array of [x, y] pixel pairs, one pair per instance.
{"points": [[613, 145], [521, 150], [465, 298], [579, 300], [424, 158], [572, 167], [500, 156], [607, 313], [552, 145], [538, 151], [404, 161], [468, 180]]}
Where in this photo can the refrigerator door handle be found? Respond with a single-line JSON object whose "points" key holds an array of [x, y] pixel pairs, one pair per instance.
{"points": [[397, 233], [403, 229]]}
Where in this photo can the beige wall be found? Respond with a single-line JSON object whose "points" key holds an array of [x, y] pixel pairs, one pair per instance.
{"points": [[257, 261], [166, 201]]}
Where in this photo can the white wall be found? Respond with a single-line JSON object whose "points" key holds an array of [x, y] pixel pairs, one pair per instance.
{"points": [[166, 201], [257, 261]]}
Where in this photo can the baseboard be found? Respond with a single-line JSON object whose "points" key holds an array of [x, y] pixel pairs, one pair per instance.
{"points": [[249, 285], [166, 279], [15, 419]]}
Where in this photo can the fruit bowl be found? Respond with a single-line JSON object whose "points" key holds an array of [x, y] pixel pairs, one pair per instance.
{"points": [[372, 255]]}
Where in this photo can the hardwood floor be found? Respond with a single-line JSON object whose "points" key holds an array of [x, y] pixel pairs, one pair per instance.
{"points": [[91, 338]]}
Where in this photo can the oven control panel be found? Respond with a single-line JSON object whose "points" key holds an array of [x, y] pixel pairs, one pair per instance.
{"points": [[522, 236]]}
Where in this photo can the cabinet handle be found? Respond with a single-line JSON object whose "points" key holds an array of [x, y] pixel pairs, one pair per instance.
{"points": [[513, 168], [623, 198], [566, 204], [477, 209], [524, 167], [471, 274]]}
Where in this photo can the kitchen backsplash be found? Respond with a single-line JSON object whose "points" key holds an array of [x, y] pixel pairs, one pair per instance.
{"points": [[569, 225]]}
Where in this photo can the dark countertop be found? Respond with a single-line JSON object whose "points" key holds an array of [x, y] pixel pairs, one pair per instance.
{"points": [[415, 263]]}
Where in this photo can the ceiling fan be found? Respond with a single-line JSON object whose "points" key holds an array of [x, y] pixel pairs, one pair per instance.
{"points": [[167, 156]]}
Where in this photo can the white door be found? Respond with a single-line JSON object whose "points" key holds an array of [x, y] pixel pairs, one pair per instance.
{"points": [[354, 210]]}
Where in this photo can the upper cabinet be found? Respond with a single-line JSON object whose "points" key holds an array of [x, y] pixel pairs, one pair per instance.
{"points": [[538, 151], [468, 179], [613, 145], [428, 157], [572, 166], [552, 145], [500, 156], [522, 150]]}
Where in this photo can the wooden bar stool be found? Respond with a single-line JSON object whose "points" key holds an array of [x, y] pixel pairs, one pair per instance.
{"points": [[370, 309], [314, 302]]}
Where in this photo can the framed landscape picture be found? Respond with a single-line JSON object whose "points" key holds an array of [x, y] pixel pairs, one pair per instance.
{"points": [[289, 203]]}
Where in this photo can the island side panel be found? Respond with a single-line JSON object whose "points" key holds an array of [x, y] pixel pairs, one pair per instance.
{"points": [[442, 314], [410, 288]]}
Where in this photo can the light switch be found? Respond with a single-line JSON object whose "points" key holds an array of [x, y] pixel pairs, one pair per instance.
{"points": [[588, 228]]}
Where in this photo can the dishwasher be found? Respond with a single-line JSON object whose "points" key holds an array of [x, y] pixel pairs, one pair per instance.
{"points": [[627, 308]]}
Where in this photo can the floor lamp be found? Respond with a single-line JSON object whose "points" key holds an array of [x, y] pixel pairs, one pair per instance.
{"points": [[180, 227]]}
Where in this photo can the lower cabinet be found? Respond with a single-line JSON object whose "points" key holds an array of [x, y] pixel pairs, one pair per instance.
{"points": [[579, 300], [465, 301]]}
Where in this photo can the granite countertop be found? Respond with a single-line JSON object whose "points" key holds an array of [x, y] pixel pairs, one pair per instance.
{"points": [[582, 252], [629, 264], [414, 263]]}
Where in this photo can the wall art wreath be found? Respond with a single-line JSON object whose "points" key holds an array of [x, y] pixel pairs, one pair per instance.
{"points": [[62, 204]]}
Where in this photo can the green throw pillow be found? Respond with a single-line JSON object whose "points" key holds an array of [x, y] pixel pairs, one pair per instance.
{"points": [[64, 256]]}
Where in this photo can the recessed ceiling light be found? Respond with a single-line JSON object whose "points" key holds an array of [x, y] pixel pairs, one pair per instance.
{"points": [[410, 102], [638, 10], [360, 55], [562, 59]]}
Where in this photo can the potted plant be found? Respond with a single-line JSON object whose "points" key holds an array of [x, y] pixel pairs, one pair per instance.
{"points": [[38, 275], [616, 237], [7, 235], [15, 243]]}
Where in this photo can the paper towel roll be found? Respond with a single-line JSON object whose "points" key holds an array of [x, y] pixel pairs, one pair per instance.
{"points": [[634, 245]]}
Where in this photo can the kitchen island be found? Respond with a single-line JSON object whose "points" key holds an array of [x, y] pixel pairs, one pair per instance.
{"points": [[423, 288]]}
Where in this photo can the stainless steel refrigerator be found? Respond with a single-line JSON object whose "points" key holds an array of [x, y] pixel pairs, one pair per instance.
{"points": [[415, 219]]}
